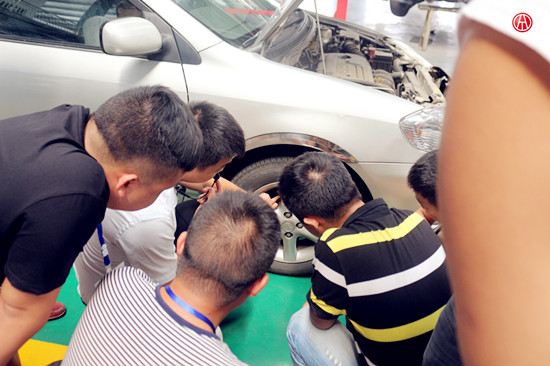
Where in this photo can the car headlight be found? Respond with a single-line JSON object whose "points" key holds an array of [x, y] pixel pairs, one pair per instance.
{"points": [[422, 128]]}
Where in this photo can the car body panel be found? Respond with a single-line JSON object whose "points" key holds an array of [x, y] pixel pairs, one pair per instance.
{"points": [[301, 102], [63, 76]]}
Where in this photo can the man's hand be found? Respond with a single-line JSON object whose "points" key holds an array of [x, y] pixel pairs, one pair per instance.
{"points": [[207, 193], [21, 315], [272, 202]]}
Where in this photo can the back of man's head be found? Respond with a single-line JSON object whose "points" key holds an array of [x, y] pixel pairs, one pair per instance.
{"points": [[317, 184], [223, 137], [231, 243], [422, 177], [153, 125]]}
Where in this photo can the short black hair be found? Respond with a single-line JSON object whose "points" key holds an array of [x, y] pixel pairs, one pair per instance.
{"points": [[422, 176], [317, 184], [223, 137], [150, 123], [231, 242]]}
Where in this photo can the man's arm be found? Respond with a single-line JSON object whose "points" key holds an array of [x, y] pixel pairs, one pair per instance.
{"points": [[21, 315], [225, 185], [221, 185], [493, 184], [320, 323], [52, 235], [323, 312]]}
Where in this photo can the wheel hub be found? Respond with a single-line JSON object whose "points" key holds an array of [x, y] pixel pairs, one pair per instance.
{"points": [[287, 227]]}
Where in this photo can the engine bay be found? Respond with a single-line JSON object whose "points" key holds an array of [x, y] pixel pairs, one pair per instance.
{"points": [[360, 57]]}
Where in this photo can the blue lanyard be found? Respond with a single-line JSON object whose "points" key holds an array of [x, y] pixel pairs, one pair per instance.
{"points": [[104, 250], [182, 304]]}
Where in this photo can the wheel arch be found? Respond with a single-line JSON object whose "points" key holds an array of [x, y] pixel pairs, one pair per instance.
{"points": [[293, 144]]}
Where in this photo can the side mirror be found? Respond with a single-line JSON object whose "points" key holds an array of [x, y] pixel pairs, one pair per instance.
{"points": [[130, 36]]}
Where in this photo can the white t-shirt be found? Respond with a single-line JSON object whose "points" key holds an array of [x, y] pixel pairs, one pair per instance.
{"points": [[500, 14], [143, 239]]}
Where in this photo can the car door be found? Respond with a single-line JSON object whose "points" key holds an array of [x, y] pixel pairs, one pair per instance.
{"points": [[50, 55]]}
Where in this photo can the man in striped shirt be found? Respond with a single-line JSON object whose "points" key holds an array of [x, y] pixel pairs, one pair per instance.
{"points": [[223, 259], [382, 268]]}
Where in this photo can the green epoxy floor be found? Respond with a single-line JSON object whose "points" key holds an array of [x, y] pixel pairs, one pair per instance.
{"points": [[255, 332]]}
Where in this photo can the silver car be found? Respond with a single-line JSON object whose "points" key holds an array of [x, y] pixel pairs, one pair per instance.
{"points": [[296, 81]]}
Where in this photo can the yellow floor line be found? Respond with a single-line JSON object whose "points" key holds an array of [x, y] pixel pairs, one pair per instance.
{"points": [[39, 353]]}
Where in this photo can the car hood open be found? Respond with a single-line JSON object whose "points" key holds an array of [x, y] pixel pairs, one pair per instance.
{"points": [[277, 20]]}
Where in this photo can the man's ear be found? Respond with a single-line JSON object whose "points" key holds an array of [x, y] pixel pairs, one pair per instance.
{"points": [[258, 285], [121, 184], [314, 222], [180, 243], [125, 182]]}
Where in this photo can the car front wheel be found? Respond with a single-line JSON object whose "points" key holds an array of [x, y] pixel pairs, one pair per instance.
{"points": [[296, 250]]}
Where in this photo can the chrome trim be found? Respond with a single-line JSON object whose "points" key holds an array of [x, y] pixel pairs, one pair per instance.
{"points": [[298, 139]]}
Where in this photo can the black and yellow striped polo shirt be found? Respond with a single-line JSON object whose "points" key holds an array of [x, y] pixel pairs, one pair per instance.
{"points": [[385, 271]]}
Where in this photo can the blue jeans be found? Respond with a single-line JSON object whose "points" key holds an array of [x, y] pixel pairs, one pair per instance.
{"points": [[312, 346]]}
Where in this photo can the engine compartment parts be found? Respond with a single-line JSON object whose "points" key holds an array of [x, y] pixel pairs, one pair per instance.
{"points": [[358, 56]]}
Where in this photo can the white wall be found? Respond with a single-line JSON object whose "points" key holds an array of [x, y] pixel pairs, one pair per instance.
{"points": [[324, 7]]}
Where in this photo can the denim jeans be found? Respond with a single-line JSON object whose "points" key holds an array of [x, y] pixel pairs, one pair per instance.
{"points": [[310, 346]]}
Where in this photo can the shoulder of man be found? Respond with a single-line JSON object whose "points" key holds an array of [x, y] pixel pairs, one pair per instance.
{"points": [[128, 275]]}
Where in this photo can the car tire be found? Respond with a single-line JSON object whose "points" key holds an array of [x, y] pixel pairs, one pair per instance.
{"points": [[296, 252]]}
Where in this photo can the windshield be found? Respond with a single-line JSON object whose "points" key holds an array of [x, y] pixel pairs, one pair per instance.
{"points": [[233, 20]]}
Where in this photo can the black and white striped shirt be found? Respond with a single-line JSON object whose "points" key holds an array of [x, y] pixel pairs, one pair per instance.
{"points": [[128, 323], [385, 271]]}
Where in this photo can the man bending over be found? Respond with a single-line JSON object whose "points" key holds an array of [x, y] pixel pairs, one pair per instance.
{"points": [[223, 260], [145, 238], [383, 268], [60, 170]]}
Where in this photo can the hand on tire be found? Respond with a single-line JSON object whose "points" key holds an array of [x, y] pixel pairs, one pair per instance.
{"points": [[272, 202]]}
